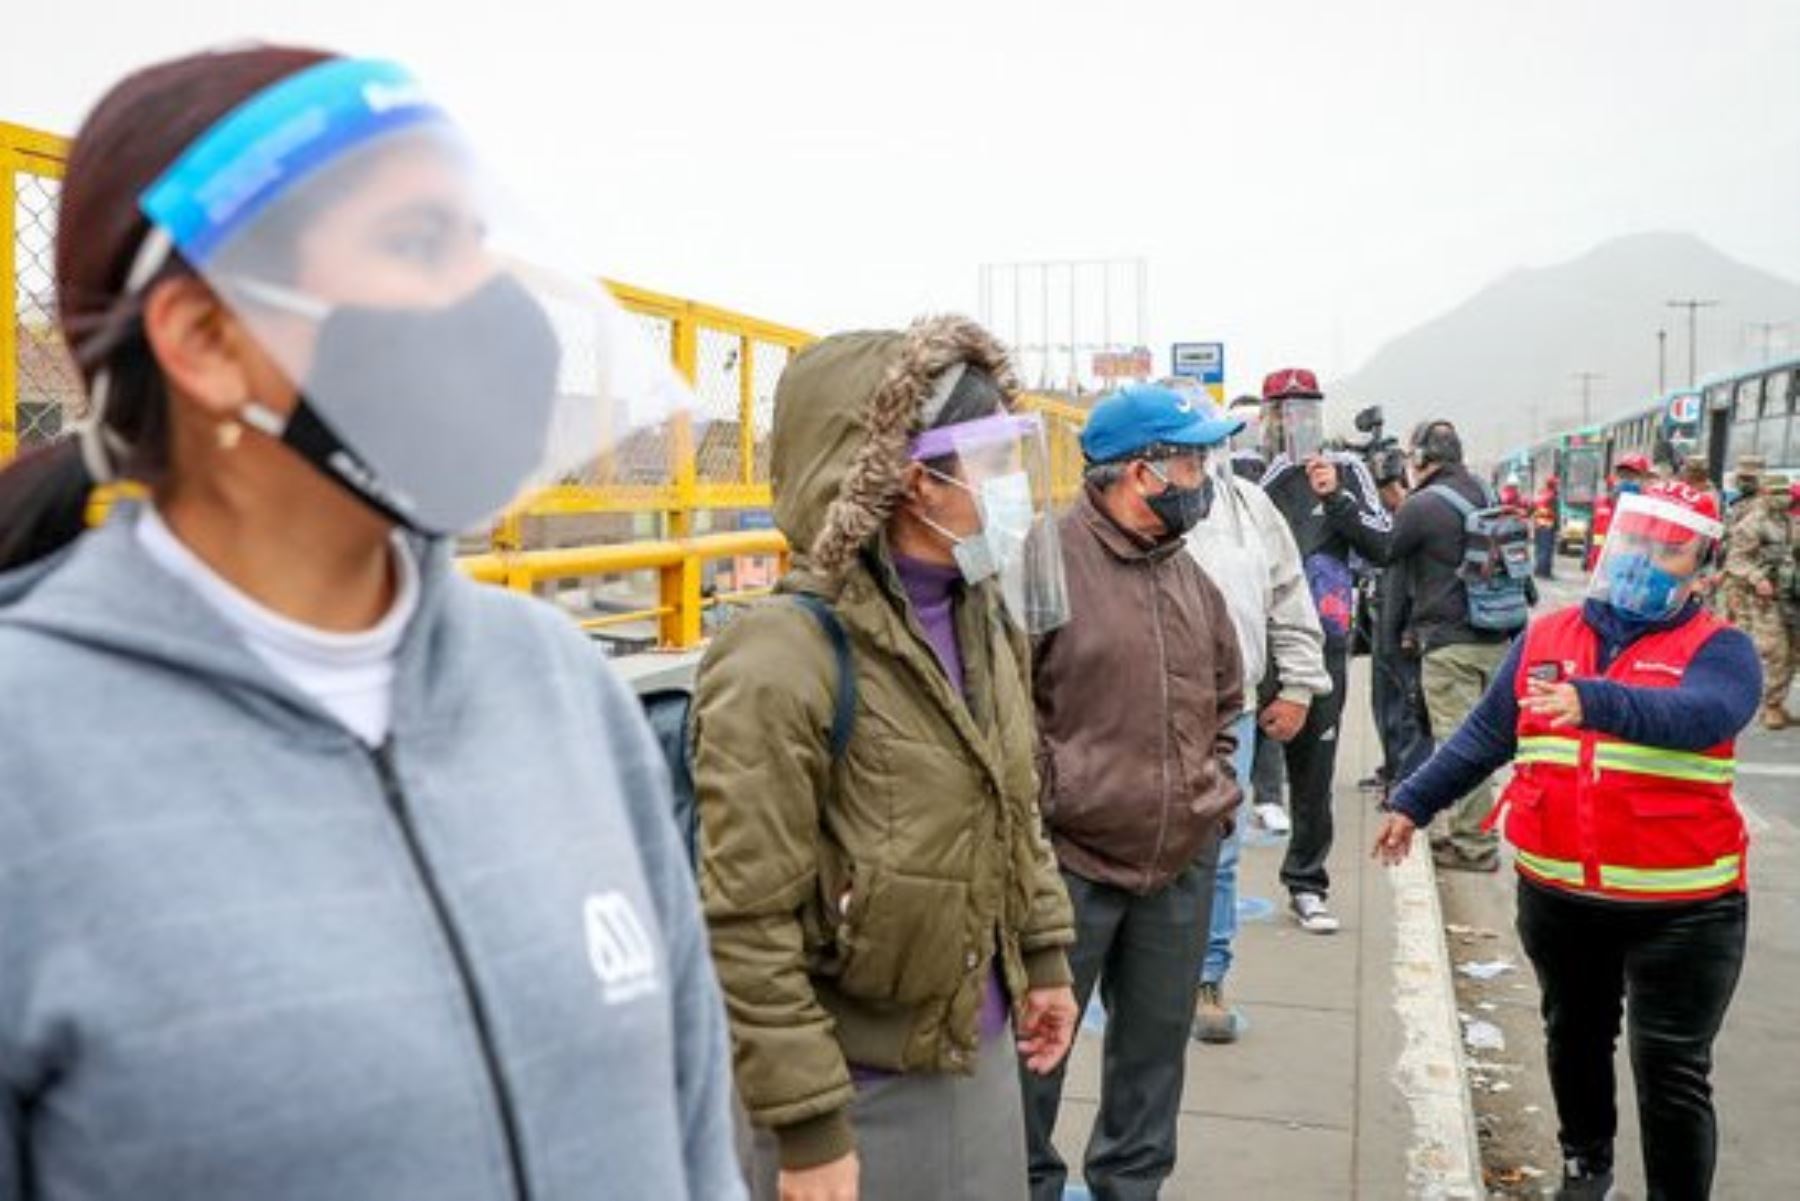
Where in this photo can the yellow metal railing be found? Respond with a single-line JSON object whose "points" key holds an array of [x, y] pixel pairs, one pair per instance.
{"points": [[38, 388], [711, 462]]}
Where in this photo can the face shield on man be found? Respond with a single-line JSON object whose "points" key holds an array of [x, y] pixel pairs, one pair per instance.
{"points": [[443, 364], [1660, 544], [1003, 463], [1302, 427]]}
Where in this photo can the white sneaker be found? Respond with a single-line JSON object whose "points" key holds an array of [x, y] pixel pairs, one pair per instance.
{"points": [[1310, 911], [1273, 818]]}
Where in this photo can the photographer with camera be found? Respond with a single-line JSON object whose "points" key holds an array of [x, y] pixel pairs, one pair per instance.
{"points": [[1466, 560], [1396, 693]]}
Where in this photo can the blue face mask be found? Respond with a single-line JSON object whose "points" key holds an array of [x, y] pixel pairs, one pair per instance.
{"points": [[1638, 588], [1628, 487]]}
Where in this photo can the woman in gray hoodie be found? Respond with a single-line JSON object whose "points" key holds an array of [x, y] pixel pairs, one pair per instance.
{"points": [[323, 871]]}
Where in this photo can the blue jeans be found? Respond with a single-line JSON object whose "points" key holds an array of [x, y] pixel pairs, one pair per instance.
{"points": [[1224, 909]]}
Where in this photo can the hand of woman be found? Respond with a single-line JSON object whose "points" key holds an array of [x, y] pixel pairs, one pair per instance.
{"points": [[1393, 842], [1048, 1028], [834, 1181], [1559, 702]]}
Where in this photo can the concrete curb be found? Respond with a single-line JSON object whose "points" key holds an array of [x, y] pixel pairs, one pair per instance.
{"points": [[1444, 1156]]}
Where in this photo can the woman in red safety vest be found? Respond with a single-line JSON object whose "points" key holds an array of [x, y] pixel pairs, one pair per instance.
{"points": [[1619, 717]]}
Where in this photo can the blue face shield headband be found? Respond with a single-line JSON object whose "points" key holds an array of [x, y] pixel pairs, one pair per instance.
{"points": [[442, 365]]}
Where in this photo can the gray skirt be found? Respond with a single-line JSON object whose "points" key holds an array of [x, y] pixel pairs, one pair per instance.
{"points": [[930, 1138]]}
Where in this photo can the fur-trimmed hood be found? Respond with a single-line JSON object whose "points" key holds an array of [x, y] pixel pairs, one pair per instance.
{"points": [[845, 411]]}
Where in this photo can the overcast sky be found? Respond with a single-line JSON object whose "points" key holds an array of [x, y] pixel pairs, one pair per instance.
{"points": [[1305, 180]]}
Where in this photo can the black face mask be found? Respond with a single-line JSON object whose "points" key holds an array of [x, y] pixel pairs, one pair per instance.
{"points": [[1181, 509]]}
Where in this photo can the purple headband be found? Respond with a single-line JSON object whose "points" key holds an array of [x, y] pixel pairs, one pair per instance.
{"points": [[970, 435]]}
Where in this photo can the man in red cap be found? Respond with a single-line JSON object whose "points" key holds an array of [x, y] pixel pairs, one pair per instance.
{"points": [[1620, 718], [1331, 504], [1629, 475]]}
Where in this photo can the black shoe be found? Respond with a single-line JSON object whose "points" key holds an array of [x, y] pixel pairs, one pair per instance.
{"points": [[1375, 781], [1581, 1183], [1448, 858]]}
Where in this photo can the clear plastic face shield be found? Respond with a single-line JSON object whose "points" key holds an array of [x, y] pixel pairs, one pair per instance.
{"points": [[1655, 552], [1002, 465], [1302, 427], [1249, 438], [444, 367]]}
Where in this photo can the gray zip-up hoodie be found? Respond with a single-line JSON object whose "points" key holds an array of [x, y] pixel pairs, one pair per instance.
{"points": [[244, 956]]}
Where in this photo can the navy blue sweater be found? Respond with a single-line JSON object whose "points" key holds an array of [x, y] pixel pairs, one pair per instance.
{"points": [[1717, 697]]}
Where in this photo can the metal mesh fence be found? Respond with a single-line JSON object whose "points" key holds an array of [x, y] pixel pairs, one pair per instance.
{"points": [[48, 391]]}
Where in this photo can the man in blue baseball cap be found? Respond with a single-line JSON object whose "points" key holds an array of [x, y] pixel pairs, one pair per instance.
{"points": [[1137, 783]]}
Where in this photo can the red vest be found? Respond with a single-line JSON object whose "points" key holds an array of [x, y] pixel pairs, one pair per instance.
{"points": [[1590, 813], [1603, 515]]}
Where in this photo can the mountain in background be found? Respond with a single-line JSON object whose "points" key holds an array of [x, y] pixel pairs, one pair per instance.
{"points": [[1503, 364]]}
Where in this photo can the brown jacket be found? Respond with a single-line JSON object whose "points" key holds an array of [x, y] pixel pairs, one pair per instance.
{"points": [[1135, 698]]}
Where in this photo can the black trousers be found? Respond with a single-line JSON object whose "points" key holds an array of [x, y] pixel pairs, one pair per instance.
{"points": [[1546, 552], [1311, 761], [1672, 968], [1398, 697], [1145, 953]]}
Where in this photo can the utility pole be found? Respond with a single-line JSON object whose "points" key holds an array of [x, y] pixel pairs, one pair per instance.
{"points": [[1693, 306], [1586, 378], [1768, 328], [1662, 361]]}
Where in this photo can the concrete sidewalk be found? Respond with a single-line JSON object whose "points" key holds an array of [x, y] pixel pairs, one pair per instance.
{"points": [[1348, 1082]]}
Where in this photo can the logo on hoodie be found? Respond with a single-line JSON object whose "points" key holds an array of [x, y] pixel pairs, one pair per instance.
{"points": [[619, 948]]}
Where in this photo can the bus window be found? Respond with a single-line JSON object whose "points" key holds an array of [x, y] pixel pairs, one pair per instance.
{"points": [[1780, 397], [1584, 476]]}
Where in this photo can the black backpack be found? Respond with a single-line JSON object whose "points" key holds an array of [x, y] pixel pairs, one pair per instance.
{"points": [[1496, 560], [670, 714]]}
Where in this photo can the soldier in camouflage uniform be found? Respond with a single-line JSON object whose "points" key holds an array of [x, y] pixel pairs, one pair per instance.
{"points": [[1746, 477], [1758, 572]]}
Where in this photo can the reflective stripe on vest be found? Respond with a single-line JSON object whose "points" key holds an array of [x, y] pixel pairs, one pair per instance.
{"points": [[1549, 748], [1628, 756], [1559, 870], [1721, 874], [1671, 765]]}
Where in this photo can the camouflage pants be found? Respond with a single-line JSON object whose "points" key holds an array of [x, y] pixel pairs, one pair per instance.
{"points": [[1766, 621]]}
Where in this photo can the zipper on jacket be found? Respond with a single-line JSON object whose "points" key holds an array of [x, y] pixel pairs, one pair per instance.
{"points": [[1162, 658], [383, 759]]}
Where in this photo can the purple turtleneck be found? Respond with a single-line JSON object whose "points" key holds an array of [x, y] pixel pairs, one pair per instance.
{"points": [[932, 590]]}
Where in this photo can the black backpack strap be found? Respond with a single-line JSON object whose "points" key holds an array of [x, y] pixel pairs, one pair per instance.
{"points": [[843, 716]]}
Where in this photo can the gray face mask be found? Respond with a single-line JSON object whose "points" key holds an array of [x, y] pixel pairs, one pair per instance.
{"points": [[434, 450]]}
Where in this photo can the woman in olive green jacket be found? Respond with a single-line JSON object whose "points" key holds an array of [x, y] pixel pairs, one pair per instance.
{"points": [[878, 916]]}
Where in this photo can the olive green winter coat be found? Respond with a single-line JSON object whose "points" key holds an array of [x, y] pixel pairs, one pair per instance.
{"points": [[857, 909]]}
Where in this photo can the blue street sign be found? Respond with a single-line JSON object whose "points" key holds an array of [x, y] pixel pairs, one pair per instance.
{"points": [[1204, 361]]}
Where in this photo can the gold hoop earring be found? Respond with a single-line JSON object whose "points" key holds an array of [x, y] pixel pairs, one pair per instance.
{"points": [[229, 434]]}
